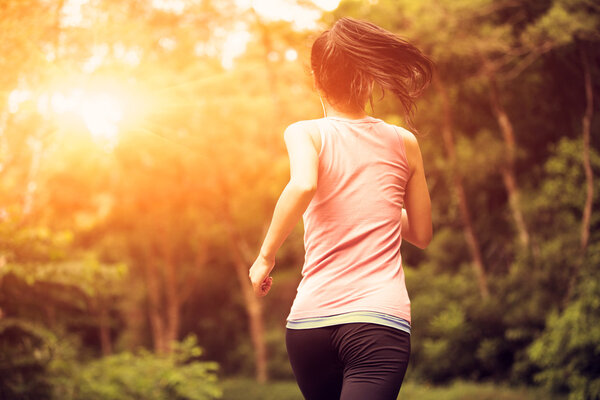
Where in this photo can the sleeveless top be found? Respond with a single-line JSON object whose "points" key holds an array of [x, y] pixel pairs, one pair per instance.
{"points": [[352, 227]]}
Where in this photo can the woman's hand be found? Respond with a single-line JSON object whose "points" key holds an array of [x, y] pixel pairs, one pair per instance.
{"points": [[259, 275]]}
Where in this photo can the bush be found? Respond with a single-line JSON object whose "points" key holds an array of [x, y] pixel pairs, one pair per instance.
{"points": [[569, 350], [444, 337], [25, 350], [144, 375]]}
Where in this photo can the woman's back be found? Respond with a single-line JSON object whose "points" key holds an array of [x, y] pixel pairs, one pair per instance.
{"points": [[353, 223]]}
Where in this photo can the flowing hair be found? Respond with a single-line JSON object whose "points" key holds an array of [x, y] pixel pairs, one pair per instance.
{"points": [[348, 58]]}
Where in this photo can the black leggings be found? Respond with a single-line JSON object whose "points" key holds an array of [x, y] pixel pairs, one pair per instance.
{"points": [[357, 361]]}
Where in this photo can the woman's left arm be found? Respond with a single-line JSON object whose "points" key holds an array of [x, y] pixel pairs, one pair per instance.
{"points": [[293, 201]]}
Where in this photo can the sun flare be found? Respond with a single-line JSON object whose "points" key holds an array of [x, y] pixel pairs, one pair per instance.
{"points": [[101, 113]]}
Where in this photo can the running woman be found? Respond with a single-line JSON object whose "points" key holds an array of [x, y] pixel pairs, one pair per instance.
{"points": [[360, 186]]}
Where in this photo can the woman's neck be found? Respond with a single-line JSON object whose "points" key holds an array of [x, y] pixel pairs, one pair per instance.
{"points": [[330, 111]]}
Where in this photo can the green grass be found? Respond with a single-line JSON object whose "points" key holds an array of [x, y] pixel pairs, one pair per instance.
{"points": [[246, 389], [471, 391]]}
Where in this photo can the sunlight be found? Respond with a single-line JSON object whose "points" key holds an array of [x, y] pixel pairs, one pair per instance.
{"points": [[327, 5], [101, 112], [291, 55], [174, 6], [71, 14], [15, 98], [98, 108], [234, 46], [297, 13]]}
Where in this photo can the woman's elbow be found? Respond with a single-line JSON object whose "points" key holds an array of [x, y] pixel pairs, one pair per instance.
{"points": [[422, 244], [423, 240], [303, 188]]}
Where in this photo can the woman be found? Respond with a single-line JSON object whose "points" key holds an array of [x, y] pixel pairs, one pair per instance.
{"points": [[360, 185]]}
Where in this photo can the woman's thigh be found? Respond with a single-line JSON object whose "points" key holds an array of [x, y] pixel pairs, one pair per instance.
{"points": [[315, 363]]}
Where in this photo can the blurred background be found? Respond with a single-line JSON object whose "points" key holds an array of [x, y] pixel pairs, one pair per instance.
{"points": [[141, 156]]}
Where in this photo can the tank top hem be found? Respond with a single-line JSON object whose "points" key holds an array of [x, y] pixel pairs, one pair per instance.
{"points": [[324, 312], [351, 317]]}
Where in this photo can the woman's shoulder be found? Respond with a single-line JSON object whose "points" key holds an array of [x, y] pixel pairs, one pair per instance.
{"points": [[411, 147], [402, 132], [305, 125], [408, 142], [410, 139], [308, 128]]}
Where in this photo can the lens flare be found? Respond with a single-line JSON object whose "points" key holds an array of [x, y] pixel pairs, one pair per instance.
{"points": [[101, 113]]}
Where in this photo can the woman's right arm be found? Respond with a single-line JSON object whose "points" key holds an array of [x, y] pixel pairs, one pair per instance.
{"points": [[304, 165], [416, 214]]}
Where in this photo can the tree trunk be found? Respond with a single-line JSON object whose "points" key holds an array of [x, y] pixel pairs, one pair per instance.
{"points": [[97, 307], [255, 316], [157, 325], [508, 170], [242, 262], [172, 298], [471, 239], [165, 296], [589, 175], [36, 146]]}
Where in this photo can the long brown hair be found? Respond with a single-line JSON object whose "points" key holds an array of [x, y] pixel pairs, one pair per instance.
{"points": [[348, 58]]}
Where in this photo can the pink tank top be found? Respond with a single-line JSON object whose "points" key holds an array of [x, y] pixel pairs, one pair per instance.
{"points": [[352, 227]]}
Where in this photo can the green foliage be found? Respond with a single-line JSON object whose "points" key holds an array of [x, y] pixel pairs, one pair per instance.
{"points": [[142, 375], [476, 165], [25, 351], [564, 178], [454, 333], [279, 364], [35, 364], [564, 21], [569, 349]]}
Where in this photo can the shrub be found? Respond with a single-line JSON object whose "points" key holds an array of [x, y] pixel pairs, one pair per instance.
{"points": [[569, 350], [143, 375], [25, 350]]}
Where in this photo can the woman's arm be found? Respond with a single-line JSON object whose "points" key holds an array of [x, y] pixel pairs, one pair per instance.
{"points": [[416, 214], [293, 201]]}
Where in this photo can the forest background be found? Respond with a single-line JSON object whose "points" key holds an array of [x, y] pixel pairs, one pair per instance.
{"points": [[141, 155]]}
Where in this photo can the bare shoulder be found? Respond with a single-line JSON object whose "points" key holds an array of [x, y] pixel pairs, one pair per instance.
{"points": [[410, 140], [306, 126], [305, 129], [411, 146]]}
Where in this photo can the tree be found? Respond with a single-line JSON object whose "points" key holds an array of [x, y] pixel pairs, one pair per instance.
{"points": [[573, 25]]}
